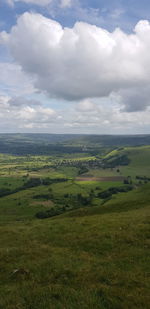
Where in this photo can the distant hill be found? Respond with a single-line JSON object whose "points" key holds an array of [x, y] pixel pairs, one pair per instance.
{"points": [[23, 144]]}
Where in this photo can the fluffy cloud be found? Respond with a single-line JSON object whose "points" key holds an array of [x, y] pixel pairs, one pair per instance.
{"points": [[84, 61], [19, 113], [14, 81], [102, 120], [87, 116], [65, 3], [86, 106]]}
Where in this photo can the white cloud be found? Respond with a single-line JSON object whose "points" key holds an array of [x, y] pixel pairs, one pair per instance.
{"points": [[88, 116], [84, 61], [14, 81], [36, 115], [117, 13], [20, 113], [3, 102], [10, 2], [86, 106], [65, 3], [102, 120]]}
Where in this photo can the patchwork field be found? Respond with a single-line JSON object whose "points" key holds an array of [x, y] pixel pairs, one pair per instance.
{"points": [[75, 231]]}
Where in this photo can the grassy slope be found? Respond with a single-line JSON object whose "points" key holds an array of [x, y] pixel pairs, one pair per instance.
{"points": [[139, 160], [23, 205], [11, 182], [89, 258], [93, 257]]}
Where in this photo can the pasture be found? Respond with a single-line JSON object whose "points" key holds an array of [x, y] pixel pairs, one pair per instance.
{"points": [[93, 249]]}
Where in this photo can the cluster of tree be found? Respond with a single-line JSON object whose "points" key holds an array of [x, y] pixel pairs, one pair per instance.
{"points": [[30, 183], [73, 202], [114, 190], [47, 196], [128, 181], [85, 164], [83, 169], [34, 182], [144, 178], [79, 199], [4, 191], [83, 200], [48, 181], [50, 212], [116, 161]]}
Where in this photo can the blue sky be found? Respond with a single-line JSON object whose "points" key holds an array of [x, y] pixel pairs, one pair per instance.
{"points": [[120, 13], [77, 88]]}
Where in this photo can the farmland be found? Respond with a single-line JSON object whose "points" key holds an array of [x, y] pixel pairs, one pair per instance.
{"points": [[74, 222]]}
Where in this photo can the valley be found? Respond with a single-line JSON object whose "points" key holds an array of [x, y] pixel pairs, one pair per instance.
{"points": [[74, 225]]}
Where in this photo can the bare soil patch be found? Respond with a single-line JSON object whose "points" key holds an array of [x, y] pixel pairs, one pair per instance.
{"points": [[46, 204]]}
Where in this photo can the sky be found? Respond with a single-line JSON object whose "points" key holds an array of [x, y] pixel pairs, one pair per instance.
{"points": [[72, 66]]}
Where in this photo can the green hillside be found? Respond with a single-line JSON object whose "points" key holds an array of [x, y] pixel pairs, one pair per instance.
{"points": [[94, 257], [139, 160], [74, 227]]}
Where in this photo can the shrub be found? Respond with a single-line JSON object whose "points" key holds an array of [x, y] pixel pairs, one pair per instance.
{"points": [[114, 190], [50, 213]]}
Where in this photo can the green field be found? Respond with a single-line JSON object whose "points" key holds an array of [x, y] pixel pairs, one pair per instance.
{"points": [[92, 250], [90, 258]]}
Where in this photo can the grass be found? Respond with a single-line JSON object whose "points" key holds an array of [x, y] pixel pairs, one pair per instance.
{"points": [[91, 257], [83, 259], [23, 205], [20, 206], [102, 172], [139, 160], [11, 182]]}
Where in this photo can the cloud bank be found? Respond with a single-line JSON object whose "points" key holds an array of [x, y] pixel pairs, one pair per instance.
{"points": [[85, 61], [19, 113]]}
